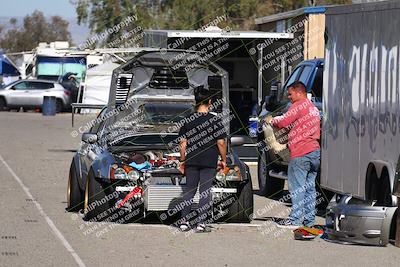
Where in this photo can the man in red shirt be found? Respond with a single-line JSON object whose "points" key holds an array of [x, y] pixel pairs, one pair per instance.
{"points": [[303, 121]]}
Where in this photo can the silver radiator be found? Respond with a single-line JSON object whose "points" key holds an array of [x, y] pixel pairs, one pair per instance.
{"points": [[164, 197]]}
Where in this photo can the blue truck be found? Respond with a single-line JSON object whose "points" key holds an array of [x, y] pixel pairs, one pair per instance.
{"points": [[272, 168]]}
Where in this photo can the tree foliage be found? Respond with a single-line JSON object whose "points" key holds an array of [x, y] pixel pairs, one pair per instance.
{"points": [[100, 15], [35, 28]]}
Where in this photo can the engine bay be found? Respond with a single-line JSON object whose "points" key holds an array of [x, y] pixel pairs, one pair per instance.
{"points": [[149, 160]]}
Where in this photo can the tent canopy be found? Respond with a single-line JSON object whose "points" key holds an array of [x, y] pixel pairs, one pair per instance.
{"points": [[6, 67], [97, 84]]}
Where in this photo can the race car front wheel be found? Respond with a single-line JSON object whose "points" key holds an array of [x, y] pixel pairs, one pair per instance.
{"points": [[74, 194], [97, 205], [242, 207]]}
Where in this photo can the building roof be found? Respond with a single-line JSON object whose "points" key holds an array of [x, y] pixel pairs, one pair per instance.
{"points": [[291, 14]]}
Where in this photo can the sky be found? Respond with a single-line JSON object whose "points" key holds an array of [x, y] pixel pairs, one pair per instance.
{"points": [[62, 8], [20, 8]]}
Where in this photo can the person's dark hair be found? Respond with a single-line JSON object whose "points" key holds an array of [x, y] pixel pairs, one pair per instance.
{"points": [[298, 86], [202, 95]]}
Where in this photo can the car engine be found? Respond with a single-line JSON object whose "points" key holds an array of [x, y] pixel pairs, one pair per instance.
{"points": [[149, 159]]}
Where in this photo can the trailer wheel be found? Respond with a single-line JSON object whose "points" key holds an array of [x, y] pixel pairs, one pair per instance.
{"points": [[242, 207], [270, 187], [74, 193], [384, 194]]}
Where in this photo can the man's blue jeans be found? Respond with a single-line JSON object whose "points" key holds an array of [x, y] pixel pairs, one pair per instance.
{"points": [[302, 172]]}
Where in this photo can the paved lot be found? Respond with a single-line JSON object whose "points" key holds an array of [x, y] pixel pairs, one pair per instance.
{"points": [[35, 154]]}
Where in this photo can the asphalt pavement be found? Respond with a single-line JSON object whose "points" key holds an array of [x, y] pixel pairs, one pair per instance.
{"points": [[35, 154]]}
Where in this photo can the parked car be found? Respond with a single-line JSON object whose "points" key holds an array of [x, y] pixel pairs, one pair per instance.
{"points": [[29, 95], [130, 163]]}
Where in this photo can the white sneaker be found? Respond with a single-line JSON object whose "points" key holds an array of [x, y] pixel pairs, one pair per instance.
{"points": [[202, 228], [287, 224], [184, 227]]}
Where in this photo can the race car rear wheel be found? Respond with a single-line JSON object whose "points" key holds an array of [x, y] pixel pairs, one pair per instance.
{"points": [[74, 194]]}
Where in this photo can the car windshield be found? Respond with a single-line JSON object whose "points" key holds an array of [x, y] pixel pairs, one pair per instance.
{"points": [[165, 113]]}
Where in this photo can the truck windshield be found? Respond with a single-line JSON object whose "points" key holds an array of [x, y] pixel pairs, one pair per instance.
{"points": [[293, 77], [305, 74]]}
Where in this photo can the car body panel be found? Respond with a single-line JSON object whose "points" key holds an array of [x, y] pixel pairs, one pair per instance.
{"points": [[357, 222]]}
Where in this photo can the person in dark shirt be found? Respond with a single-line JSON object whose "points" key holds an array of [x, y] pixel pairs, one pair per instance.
{"points": [[202, 138]]}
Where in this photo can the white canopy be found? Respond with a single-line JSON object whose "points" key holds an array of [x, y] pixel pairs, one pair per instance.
{"points": [[97, 84]]}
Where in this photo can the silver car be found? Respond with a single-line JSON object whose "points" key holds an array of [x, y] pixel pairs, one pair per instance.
{"points": [[29, 94]]}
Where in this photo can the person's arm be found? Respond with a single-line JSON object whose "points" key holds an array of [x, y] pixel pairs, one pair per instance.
{"points": [[286, 120], [222, 150], [182, 151]]}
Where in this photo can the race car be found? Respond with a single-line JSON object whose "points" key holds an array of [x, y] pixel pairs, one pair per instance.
{"points": [[128, 163]]}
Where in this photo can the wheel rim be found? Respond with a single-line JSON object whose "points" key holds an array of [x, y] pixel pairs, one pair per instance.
{"points": [[69, 192], [86, 203]]}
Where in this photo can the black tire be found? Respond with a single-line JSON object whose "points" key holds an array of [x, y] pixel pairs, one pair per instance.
{"points": [[242, 208], [96, 207], [74, 193], [59, 106], [270, 187], [384, 194], [261, 174], [100, 201], [3, 104]]}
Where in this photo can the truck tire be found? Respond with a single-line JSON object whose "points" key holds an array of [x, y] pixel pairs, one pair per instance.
{"points": [[96, 206], [242, 207], [270, 187], [261, 173], [74, 193]]}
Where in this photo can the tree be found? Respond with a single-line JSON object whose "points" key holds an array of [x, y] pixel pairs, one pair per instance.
{"points": [[35, 29], [101, 15]]}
